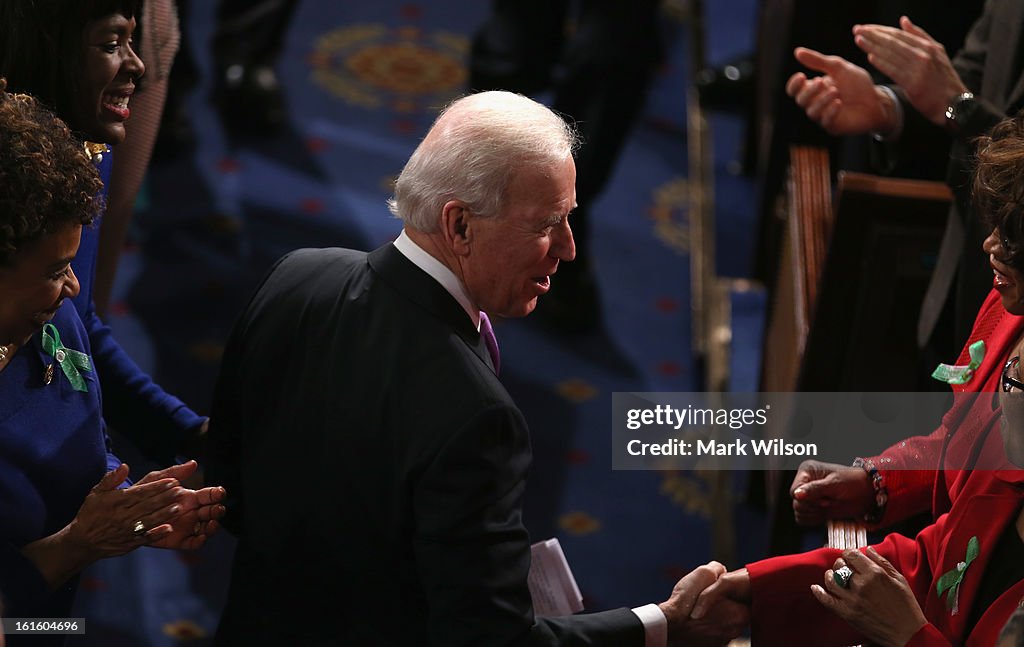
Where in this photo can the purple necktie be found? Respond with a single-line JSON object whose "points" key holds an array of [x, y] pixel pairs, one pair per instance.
{"points": [[487, 332]]}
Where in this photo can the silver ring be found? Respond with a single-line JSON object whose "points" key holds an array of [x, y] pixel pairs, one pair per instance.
{"points": [[139, 528], [842, 577]]}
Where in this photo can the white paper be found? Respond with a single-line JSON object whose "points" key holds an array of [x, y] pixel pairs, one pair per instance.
{"points": [[552, 586]]}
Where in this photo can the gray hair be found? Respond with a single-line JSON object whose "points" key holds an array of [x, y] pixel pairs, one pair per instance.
{"points": [[471, 153]]}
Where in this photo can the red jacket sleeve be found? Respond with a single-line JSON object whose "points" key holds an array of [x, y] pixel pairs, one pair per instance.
{"points": [[783, 608], [928, 636]]}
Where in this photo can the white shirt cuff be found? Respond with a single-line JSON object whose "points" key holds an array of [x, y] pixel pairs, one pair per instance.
{"points": [[655, 625]]}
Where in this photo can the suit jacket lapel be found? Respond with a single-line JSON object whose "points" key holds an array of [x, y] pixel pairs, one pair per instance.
{"points": [[420, 288]]}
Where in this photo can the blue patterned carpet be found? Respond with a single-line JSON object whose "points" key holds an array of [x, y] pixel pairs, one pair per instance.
{"points": [[213, 222]]}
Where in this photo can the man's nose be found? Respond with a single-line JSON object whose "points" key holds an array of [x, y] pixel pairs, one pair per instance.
{"points": [[564, 247]]}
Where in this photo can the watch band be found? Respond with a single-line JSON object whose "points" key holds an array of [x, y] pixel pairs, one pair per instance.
{"points": [[957, 112]]}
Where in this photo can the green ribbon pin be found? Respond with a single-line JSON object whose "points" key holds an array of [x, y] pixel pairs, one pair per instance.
{"points": [[960, 374], [951, 580], [70, 360]]}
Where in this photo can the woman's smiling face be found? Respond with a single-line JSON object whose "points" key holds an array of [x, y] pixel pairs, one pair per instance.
{"points": [[109, 70], [33, 288], [1006, 279]]}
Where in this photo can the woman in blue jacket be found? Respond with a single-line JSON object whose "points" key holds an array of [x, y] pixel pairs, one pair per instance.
{"points": [[64, 501], [76, 57]]}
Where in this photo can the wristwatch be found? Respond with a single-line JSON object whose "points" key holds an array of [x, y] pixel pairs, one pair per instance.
{"points": [[959, 111]]}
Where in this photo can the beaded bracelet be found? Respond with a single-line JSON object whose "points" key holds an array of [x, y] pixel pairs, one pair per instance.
{"points": [[881, 493]]}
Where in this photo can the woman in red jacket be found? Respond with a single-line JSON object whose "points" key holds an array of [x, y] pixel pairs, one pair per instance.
{"points": [[961, 578]]}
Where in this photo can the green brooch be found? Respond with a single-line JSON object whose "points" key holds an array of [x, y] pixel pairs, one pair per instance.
{"points": [[70, 360], [961, 374], [951, 581]]}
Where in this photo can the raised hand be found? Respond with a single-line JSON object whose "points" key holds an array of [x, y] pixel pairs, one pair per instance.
{"points": [[156, 511], [198, 520], [113, 522], [198, 510], [844, 100], [916, 62], [824, 491], [177, 472], [878, 601]]}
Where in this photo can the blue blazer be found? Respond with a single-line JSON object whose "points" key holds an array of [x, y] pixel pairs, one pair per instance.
{"points": [[53, 450]]}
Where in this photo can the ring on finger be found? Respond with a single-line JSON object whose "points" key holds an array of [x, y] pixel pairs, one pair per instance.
{"points": [[139, 528], [842, 576]]}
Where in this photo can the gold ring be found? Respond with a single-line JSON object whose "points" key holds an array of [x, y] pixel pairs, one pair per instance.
{"points": [[139, 528]]}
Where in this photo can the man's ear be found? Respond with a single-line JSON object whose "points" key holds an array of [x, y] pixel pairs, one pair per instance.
{"points": [[455, 226]]}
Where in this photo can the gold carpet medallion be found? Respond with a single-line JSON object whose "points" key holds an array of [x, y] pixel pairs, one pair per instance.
{"points": [[579, 523], [576, 390], [403, 69], [671, 214], [689, 491]]}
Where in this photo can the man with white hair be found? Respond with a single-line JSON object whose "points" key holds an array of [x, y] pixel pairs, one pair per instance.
{"points": [[374, 376]]}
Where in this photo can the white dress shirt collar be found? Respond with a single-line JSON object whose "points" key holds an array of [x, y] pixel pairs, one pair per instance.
{"points": [[437, 270]]}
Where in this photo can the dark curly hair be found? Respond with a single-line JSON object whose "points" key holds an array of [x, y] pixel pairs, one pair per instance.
{"points": [[41, 45], [48, 180], [999, 185]]}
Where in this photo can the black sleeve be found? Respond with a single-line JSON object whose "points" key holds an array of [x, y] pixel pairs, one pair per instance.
{"points": [[224, 437], [474, 552]]}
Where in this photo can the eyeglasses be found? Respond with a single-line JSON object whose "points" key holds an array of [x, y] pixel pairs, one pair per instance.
{"points": [[1011, 382]]}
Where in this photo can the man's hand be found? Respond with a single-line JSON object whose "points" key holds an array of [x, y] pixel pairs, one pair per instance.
{"points": [[878, 601], [844, 100], [686, 590], [823, 491], [733, 586], [725, 622], [916, 62]]}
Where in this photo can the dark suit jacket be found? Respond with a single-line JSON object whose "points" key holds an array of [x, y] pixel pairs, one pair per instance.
{"points": [[991, 66], [375, 467]]}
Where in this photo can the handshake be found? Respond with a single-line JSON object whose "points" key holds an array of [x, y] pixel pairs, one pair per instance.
{"points": [[708, 606]]}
